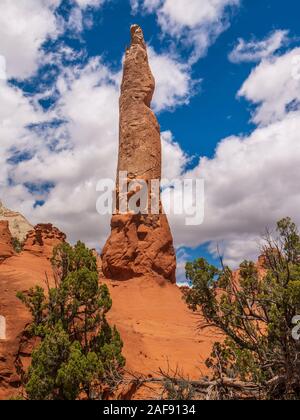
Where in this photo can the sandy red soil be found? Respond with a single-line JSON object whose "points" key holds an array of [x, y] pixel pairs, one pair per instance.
{"points": [[157, 328]]}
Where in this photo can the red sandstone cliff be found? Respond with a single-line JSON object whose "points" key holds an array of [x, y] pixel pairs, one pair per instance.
{"points": [[20, 273]]}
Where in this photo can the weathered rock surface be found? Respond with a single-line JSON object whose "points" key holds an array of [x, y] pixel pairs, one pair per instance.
{"points": [[18, 224], [43, 239], [6, 247], [140, 244], [20, 273]]}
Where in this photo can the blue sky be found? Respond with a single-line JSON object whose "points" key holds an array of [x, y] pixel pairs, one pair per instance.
{"points": [[227, 100], [214, 110]]}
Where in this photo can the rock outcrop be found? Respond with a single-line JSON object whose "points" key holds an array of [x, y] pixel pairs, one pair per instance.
{"points": [[21, 272], [6, 247], [18, 273], [18, 224], [42, 240], [140, 244]]}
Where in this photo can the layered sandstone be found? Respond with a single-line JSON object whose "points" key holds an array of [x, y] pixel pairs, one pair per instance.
{"points": [[6, 247], [140, 244], [18, 224]]}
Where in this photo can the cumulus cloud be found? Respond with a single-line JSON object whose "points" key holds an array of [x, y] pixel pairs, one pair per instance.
{"points": [[250, 184], [24, 27], [17, 113], [145, 5], [195, 25], [174, 158], [74, 144], [174, 84], [252, 181], [274, 86], [257, 50], [76, 21], [74, 156], [86, 152]]}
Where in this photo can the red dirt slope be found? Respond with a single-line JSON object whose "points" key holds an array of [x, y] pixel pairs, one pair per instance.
{"points": [[157, 328]]}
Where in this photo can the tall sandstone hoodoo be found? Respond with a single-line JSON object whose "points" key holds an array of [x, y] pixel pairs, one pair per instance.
{"points": [[140, 244]]}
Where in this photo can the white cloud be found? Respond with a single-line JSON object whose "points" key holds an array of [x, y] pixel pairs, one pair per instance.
{"points": [[257, 50], [191, 13], [250, 184], [273, 86], [146, 5], [17, 112], [174, 85], [90, 155], [83, 149], [182, 259], [89, 106], [24, 27], [77, 19], [92, 3], [3, 74], [195, 24], [252, 181], [174, 158]]}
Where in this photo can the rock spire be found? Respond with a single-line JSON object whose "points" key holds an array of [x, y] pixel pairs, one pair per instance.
{"points": [[140, 244]]}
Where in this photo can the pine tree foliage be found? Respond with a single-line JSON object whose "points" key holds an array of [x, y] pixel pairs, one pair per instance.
{"points": [[256, 313], [80, 354]]}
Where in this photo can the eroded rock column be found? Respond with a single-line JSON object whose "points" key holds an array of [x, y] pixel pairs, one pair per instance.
{"points": [[140, 244]]}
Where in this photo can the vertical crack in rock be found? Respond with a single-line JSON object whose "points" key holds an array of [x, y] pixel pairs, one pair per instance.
{"points": [[139, 244]]}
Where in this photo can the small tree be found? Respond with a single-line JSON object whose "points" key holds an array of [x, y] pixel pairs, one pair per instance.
{"points": [[255, 311], [80, 355], [17, 245]]}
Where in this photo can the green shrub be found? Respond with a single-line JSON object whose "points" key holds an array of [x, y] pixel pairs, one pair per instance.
{"points": [[80, 355], [255, 313]]}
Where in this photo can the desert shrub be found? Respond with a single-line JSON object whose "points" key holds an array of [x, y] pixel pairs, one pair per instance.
{"points": [[256, 312], [80, 355], [17, 245]]}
